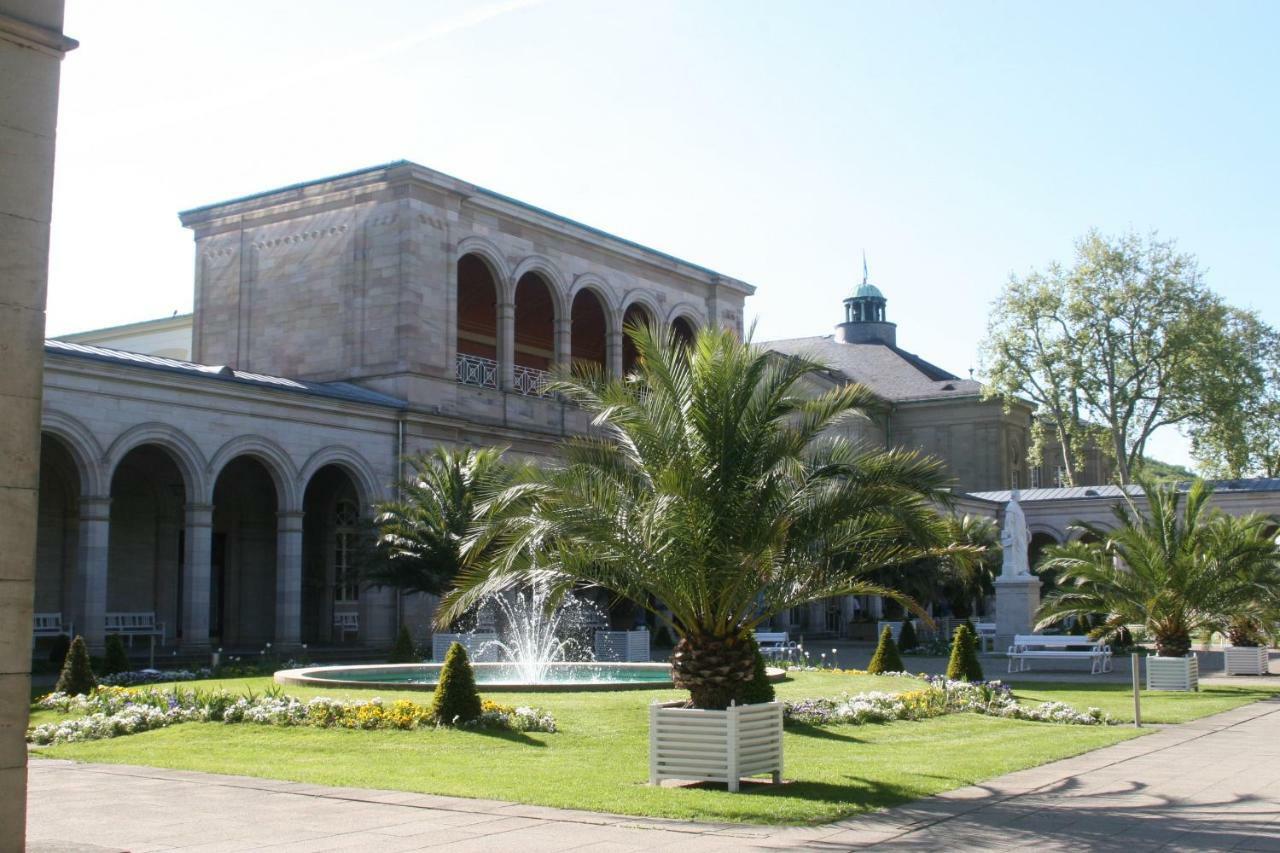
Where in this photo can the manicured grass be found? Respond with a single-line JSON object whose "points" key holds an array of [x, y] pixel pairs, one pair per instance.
{"points": [[599, 759], [1158, 706]]}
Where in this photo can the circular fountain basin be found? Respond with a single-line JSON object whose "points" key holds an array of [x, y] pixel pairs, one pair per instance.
{"points": [[490, 677]]}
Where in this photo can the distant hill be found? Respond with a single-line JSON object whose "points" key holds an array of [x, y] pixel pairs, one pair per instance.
{"points": [[1164, 471]]}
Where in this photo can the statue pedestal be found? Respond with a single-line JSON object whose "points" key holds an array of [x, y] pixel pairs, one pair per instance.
{"points": [[1017, 600]]}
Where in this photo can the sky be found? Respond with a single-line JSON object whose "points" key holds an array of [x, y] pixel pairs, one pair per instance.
{"points": [[955, 143]]}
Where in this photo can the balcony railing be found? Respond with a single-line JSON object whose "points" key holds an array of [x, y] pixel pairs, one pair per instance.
{"points": [[483, 372], [531, 381], [477, 370]]}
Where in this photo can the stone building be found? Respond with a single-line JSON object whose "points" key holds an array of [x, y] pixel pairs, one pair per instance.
{"points": [[337, 325]]}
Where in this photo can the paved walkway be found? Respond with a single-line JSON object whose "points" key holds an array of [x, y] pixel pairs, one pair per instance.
{"points": [[1209, 785]]}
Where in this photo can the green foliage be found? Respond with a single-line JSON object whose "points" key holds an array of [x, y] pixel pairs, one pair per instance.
{"points": [[77, 674], [964, 664], [886, 658], [1125, 340], [58, 649], [403, 651], [1155, 471], [662, 637], [115, 659], [418, 542], [1245, 440], [907, 639], [1175, 567], [711, 484], [456, 699], [759, 689]]}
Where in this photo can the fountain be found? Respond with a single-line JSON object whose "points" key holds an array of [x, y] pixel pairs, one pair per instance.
{"points": [[537, 646]]}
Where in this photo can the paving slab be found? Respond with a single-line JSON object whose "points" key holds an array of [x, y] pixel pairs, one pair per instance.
{"points": [[1213, 784]]}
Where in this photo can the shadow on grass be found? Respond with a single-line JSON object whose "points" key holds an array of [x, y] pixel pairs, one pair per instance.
{"points": [[858, 793], [508, 735], [819, 732]]}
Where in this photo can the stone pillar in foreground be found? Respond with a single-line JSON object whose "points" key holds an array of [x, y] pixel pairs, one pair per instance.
{"points": [[31, 50], [289, 579], [196, 579]]}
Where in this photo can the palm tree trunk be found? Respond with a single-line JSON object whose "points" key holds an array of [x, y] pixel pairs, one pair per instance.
{"points": [[715, 670]]}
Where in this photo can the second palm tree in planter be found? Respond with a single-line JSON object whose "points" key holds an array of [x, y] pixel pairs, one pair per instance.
{"points": [[710, 483]]}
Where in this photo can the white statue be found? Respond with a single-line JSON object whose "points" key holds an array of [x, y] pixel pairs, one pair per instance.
{"points": [[1014, 540]]}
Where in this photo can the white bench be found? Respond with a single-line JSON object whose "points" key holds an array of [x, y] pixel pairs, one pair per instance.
{"points": [[1058, 647], [776, 645], [49, 625], [136, 625], [346, 622]]}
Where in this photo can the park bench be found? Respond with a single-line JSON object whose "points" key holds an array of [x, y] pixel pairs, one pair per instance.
{"points": [[136, 625], [1028, 647], [346, 622], [986, 636], [49, 625], [776, 645]]}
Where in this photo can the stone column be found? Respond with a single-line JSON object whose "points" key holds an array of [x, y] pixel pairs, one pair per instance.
{"points": [[288, 579], [31, 49], [95, 535], [564, 343], [613, 350], [197, 576], [506, 345]]}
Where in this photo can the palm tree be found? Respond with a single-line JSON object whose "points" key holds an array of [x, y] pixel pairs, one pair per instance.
{"points": [[710, 483], [419, 536], [1179, 568]]}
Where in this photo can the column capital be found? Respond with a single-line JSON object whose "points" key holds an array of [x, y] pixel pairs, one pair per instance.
{"points": [[95, 508], [289, 519]]}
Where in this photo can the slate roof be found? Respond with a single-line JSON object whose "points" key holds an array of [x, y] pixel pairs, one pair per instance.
{"points": [[893, 373], [1258, 484], [221, 373]]}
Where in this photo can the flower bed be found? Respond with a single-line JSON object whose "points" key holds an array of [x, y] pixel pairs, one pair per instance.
{"points": [[114, 711], [940, 697]]}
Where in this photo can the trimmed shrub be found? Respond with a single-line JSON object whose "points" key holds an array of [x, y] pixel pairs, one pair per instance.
{"points": [[402, 651], [116, 658], [964, 665], [886, 658], [77, 676], [457, 701], [907, 638], [759, 689], [662, 638], [58, 650]]}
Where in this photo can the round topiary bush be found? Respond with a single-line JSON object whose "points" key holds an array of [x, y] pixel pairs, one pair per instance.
{"points": [[77, 674], [456, 700], [759, 689], [403, 651], [116, 659], [907, 638], [886, 658], [964, 665]]}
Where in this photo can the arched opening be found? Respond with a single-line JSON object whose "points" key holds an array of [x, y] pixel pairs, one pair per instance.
{"points": [[683, 331], [330, 536], [636, 315], [535, 315], [145, 546], [587, 331], [477, 359], [242, 567], [57, 536]]}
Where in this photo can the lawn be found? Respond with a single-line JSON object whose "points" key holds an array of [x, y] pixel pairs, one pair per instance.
{"points": [[599, 761]]}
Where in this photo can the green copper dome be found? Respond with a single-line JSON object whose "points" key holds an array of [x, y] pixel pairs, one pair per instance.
{"points": [[866, 289]]}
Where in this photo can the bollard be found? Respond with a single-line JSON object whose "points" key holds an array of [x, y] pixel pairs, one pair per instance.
{"points": [[1135, 664]]}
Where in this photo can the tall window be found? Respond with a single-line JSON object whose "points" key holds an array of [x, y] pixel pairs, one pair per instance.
{"points": [[346, 520]]}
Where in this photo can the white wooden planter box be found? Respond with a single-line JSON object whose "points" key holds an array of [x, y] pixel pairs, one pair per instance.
{"points": [[1245, 660], [473, 643], [715, 746], [1173, 673], [627, 646]]}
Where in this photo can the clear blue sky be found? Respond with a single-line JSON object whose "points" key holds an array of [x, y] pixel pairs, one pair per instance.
{"points": [[956, 143]]}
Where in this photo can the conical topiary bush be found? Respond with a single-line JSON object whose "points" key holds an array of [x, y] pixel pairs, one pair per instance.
{"points": [[759, 689], [116, 659], [77, 674], [907, 638], [456, 700], [964, 665], [402, 651], [886, 658]]}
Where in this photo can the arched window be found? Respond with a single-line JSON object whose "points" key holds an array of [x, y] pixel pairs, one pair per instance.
{"points": [[346, 521]]}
